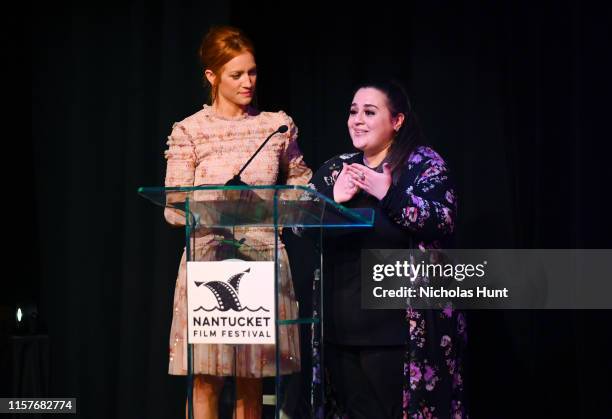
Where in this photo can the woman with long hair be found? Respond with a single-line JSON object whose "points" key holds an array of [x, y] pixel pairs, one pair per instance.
{"points": [[389, 363]]}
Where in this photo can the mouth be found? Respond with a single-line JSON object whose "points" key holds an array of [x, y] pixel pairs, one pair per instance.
{"points": [[247, 93], [359, 132]]}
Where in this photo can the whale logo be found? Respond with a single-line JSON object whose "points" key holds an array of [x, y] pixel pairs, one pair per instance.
{"points": [[226, 293]]}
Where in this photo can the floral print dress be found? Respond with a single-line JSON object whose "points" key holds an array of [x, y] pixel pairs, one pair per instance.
{"points": [[422, 203]]}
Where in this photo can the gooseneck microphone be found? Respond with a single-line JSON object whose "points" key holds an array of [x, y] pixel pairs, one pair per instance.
{"points": [[236, 181]]}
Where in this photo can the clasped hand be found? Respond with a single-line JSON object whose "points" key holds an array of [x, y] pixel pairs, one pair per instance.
{"points": [[355, 177]]}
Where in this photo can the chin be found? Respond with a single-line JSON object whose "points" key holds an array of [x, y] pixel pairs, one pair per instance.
{"points": [[359, 145]]}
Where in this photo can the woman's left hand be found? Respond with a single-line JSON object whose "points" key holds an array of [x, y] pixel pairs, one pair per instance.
{"points": [[374, 183]]}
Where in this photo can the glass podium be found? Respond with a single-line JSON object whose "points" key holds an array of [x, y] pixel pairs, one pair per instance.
{"points": [[242, 316]]}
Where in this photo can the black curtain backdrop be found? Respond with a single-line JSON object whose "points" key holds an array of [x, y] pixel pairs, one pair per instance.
{"points": [[514, 94]]}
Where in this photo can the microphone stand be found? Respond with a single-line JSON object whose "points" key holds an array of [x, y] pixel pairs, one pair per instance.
{"points": [[247, 196], [236, 180]]}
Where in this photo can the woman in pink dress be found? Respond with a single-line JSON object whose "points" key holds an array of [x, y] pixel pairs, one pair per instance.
{"points": [[210, 147]]}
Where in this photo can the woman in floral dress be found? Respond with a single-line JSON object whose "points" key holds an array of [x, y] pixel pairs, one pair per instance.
{"points": [[374, 357]]}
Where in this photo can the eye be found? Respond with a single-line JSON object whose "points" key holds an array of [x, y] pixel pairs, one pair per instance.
{"points": [[370, 113], [235, 76], [353, 112], [253, 72]]}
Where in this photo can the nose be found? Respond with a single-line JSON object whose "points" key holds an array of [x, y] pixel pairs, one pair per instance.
{"points": [[359, 118], [247, 82]]}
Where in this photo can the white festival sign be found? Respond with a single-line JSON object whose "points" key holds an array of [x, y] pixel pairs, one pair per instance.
{"points": [[230, 302]]}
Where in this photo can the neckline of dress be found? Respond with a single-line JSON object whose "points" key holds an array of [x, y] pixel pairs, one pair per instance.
{"points": [[211, 112]]}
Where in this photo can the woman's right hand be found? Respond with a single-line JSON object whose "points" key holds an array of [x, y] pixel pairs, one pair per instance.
{"points": [[344, 188]]}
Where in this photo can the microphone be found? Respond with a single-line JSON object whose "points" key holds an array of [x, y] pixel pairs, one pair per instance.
{"points": [[236, 181]]}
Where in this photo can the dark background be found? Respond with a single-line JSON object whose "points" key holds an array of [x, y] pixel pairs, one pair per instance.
{"points": [[515, 95]]}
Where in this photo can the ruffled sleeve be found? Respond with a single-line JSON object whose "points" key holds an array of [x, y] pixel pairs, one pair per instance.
{"points": [[293, 169], [180, 168]]}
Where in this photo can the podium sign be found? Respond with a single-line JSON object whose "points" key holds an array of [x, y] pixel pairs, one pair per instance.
{"points": [[231, 302]]}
